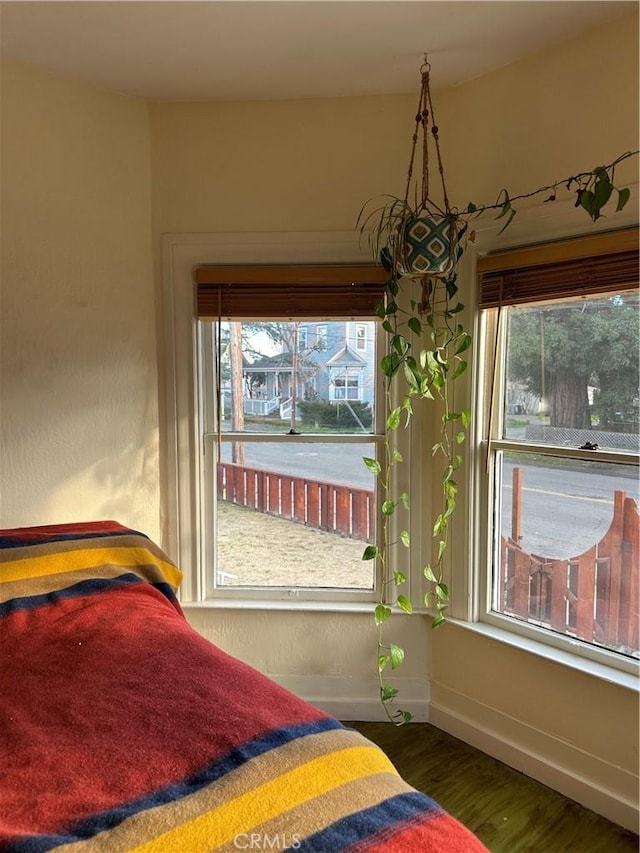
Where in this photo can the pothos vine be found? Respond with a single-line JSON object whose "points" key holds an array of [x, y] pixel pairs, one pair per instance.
{"points": [[427, 346]]}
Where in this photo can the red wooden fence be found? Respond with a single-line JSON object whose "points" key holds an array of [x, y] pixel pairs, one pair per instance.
{"points": [[594, 597], [327, 506]]}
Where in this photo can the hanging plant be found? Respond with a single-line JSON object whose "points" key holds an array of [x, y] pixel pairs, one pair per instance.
{"points": [[419, 244]]}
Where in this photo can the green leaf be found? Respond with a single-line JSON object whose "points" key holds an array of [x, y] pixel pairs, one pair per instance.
{"points": [[440, 525], [398, 578], [410, 377], [431, 362], [392, 284], [381, 310], [437, 620], [450, 489], [389, 364], [602, 190], [393, 419], [400, 344], [404, 497], [460, 369], [415, 325], [442, 547], [388, 327], [586, 201], [372, 464], [397, 456], [442, 591], [403, 717], [381, 614], [370, 552], [404, 538], [464, 343], [397, 655], [388, 507], [383, 662], [623, 197], [387, 693], [405, 604], [512, 213], [466, 417], [429, 575], [460, 437]]}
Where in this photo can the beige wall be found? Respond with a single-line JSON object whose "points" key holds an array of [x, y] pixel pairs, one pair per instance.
{"points": [[78, 366]]}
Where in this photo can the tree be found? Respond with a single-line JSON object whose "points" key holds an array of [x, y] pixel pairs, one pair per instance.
{"points": [[558, 351]]}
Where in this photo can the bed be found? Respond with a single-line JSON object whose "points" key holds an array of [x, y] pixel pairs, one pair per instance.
{"points": [[122, 729]]}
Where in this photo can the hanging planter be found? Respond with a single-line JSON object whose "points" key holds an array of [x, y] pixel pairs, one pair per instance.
{"points": [[425, 238], [428, 245]]}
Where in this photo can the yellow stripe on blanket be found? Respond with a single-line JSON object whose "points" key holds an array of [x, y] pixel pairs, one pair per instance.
{"points": [[68, 561], [249, 811]]}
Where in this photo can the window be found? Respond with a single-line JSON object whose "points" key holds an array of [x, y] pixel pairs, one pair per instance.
{"points": [[288, 502], [346, 387], [562, 493], [361, 337]]}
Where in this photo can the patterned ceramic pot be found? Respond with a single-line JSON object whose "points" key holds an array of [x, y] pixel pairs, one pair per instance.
{"points": [[429, 246]]}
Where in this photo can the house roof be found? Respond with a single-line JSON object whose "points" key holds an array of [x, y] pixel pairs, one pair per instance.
{"points": [[346, 358]]}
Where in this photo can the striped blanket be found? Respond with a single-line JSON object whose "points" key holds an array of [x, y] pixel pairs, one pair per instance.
{"points": [[122, 729]]}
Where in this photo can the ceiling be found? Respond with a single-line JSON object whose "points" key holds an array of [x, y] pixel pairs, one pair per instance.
{"points": [[264, 49]]}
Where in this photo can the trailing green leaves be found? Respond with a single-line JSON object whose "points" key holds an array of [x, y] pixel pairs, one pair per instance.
{"points": [[426, 354]]}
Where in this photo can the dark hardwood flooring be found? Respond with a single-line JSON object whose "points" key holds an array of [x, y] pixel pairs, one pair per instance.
{"points": [[507, 810]]}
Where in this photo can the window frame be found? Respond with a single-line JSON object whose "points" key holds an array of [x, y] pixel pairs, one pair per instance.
{"points": [[491, 334], [292, 594], [181, 444]]}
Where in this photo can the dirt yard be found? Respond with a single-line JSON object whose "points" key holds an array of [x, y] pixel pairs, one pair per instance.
{"points": [[263, 550]]}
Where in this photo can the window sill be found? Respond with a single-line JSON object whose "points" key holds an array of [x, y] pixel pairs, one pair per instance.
{"points": [[291, 605], [611, 674]]}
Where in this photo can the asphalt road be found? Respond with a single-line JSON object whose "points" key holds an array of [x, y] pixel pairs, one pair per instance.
{"points": [[564, 511]]}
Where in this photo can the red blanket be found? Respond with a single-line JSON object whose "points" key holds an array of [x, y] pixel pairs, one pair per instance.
{"points": [[122, 729]]}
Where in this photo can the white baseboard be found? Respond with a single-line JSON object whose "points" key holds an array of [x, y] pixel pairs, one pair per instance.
{"points": [[358, 698], [602, 787]]}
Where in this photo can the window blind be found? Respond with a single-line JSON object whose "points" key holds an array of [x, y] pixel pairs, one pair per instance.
{"points": [[317, 292], [581, 267]]}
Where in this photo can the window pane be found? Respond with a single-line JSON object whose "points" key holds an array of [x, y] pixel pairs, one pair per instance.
{"points": [[280, 375], [573, 372], [295, 514], [567, 547]]}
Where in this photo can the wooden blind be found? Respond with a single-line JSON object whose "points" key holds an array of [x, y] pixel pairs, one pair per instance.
{"points": [[289, 292], [586, 266]]}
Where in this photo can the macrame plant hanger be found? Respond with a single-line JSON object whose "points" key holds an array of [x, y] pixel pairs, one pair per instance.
{"points": [[425, 124]]}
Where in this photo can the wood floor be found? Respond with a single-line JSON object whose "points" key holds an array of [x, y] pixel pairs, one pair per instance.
{"points": [[509, 812]]}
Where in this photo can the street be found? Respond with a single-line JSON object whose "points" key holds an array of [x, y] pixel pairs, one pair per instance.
{"points": [[564, 511]]}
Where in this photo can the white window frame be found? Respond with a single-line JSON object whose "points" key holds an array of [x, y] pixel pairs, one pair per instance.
{"points": [[345, 376], [486, 336], [360, 337], [208, 482], [183, 442]]}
